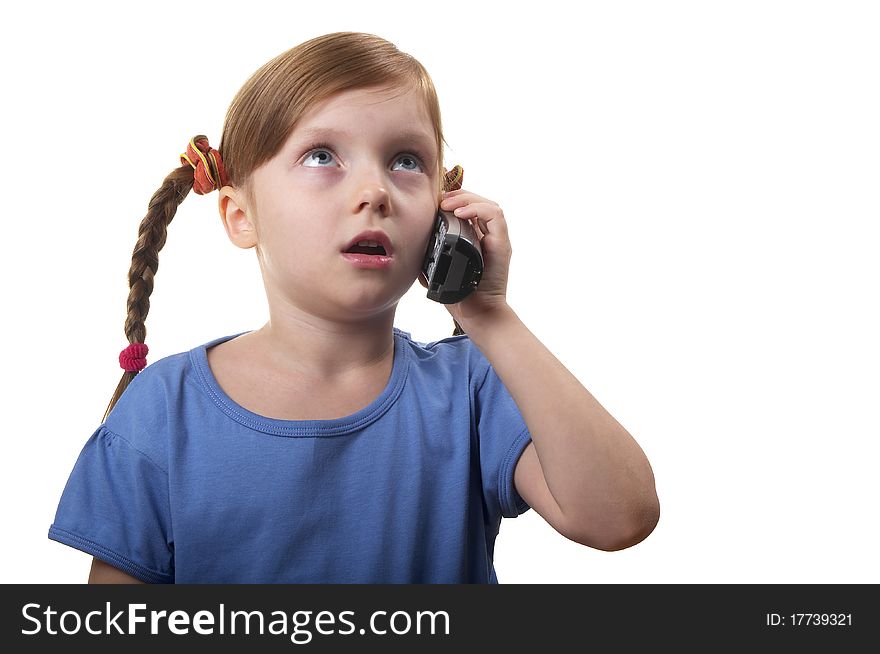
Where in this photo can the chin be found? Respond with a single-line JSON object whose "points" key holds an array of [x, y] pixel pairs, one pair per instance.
{"points": [[372, 301]]}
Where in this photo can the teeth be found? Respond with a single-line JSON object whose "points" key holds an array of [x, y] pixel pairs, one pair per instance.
{"points": [[368, 244]]}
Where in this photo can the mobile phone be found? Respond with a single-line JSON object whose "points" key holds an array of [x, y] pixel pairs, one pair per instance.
{"points": [[453, 262]]}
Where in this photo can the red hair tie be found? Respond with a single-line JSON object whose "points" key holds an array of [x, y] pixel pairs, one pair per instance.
{"points": [[209, 171], [134, 357]]}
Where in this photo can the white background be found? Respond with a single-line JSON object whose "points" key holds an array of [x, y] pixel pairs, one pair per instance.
{"points": [[692, 194]]}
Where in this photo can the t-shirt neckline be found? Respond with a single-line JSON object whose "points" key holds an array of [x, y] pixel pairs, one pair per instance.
{"points": [[304, 428]]}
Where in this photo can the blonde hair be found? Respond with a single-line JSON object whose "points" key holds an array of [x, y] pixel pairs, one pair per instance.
{"points": [[259, 120]]}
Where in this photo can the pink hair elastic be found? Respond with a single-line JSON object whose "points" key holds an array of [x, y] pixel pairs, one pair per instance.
{"points": [[134, 357]]}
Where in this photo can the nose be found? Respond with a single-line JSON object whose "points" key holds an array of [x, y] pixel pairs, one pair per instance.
{"points": [[372, 197]]}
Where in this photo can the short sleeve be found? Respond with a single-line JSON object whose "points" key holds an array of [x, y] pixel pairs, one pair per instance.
{"points": [[115, 507], [503, 436]]}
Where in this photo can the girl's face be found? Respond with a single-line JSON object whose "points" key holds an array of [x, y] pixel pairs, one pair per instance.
{"points": [[360, 166]]}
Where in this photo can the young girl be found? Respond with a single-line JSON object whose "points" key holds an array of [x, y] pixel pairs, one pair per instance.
{"points": [[328, 446]]}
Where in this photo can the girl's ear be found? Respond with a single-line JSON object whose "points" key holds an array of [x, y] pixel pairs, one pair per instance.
{"points": [[236, 218]]}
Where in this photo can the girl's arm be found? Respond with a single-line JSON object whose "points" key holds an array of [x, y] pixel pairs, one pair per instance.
{"points": [[104, 573], [583, 472]]}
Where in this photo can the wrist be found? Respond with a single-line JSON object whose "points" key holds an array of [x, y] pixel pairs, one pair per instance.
{"points": [[488, 321]]}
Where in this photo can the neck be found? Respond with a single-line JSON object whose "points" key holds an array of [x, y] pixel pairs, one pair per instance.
{"points": [[318, 349]]}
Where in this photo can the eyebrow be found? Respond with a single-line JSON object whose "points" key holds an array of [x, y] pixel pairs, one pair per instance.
{"points": [[420, 138]]}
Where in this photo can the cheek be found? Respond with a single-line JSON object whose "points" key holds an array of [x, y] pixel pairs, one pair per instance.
{"points": [[419, 234], [287, 243], [421, 221]]}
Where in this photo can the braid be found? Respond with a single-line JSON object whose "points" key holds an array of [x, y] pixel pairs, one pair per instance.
{"points": [[152, 233]]}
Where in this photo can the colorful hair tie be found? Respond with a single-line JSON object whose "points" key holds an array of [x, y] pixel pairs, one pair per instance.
{"points": [[209, 172], [134, 357], [453, 178]]}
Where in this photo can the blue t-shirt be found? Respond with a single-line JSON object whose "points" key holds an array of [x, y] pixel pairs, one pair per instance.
{"points": [[183, 485]]}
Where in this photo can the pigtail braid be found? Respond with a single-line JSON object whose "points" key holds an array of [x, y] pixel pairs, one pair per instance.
{"points": [[152, 233]]}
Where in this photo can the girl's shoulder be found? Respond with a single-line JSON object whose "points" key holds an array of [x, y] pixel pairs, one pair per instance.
{"points": [[152, 398], [455, 353], [443, 346]]}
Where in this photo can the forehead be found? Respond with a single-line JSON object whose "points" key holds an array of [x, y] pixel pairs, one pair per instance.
{"points": [[386, 113]]}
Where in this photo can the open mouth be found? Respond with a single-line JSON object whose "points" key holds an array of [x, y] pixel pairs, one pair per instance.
{"points": [[370, 250], [368, 247]]}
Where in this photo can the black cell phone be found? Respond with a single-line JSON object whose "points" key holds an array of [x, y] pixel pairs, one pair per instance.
{"points": [[453, 262]]}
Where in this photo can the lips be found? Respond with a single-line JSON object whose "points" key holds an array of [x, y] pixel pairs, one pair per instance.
{"points": [[370, 243]]}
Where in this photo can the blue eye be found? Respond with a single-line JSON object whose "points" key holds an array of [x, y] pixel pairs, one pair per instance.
{"points": [[317, 151], [409, 157]]}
